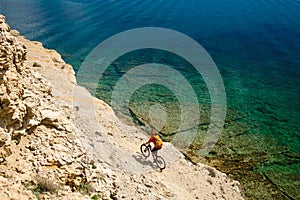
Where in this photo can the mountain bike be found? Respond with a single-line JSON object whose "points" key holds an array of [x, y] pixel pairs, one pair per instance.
{"points": [[159, 161]]}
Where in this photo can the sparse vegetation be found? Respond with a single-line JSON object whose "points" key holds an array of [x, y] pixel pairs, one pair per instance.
{"points": [[41, 185], [95, 197], [45, 185], [86, 188]]}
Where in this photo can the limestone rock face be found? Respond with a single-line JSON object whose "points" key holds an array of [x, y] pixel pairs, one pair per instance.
{"points": [[12, 54], [36, 138], [12, 57], [20, 90]]}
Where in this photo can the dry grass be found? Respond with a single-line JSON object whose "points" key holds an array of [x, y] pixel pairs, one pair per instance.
{"points": [[41, 185], [46, 185]]}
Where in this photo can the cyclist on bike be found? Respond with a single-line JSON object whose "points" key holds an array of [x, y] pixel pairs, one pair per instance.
{"points": [[157, 143]]}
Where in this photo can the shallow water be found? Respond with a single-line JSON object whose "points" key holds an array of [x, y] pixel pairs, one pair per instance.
{"points": [[255, 45]]}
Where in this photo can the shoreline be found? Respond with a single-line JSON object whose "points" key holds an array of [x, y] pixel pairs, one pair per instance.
{"points": [[70, 70], [195, 181], [260, 71]]}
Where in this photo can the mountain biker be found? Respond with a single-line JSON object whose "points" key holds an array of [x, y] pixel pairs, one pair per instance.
{"points": [[157, 143]]}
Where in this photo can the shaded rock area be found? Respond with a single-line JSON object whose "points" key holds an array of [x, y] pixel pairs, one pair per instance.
{"points": [[51, 147]]}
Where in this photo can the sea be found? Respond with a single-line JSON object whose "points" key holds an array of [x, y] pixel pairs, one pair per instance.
{"points": [[255, 45]]}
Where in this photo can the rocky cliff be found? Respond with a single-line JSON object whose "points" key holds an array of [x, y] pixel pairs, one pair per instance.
{"points": [[51, 148], [37, 140]]}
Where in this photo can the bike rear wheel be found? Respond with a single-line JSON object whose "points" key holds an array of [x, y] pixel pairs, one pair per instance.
{"points": [[160, 162], [145, 150]]}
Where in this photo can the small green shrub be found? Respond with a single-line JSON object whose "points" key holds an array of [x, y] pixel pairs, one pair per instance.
{"points": [[86, 188], [95, 197], [41, 185]]}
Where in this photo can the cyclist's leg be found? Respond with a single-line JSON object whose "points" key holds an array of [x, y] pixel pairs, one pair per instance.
{"points": [[154, 153]]}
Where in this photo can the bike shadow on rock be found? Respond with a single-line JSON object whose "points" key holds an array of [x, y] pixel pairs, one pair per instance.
{"points": [[144, 161]]}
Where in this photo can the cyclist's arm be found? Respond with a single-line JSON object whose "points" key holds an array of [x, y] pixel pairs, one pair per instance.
{"points": [[152, 139]]}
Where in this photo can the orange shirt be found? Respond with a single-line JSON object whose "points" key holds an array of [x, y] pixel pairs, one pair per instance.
{"points": [[152, 139]]}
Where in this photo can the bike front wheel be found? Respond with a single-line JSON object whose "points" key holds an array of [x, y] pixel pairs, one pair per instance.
{"points": [[160, 163], [145, 150]]}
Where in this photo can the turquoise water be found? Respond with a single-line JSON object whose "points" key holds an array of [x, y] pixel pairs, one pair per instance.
{"points": [[255, 44]]}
